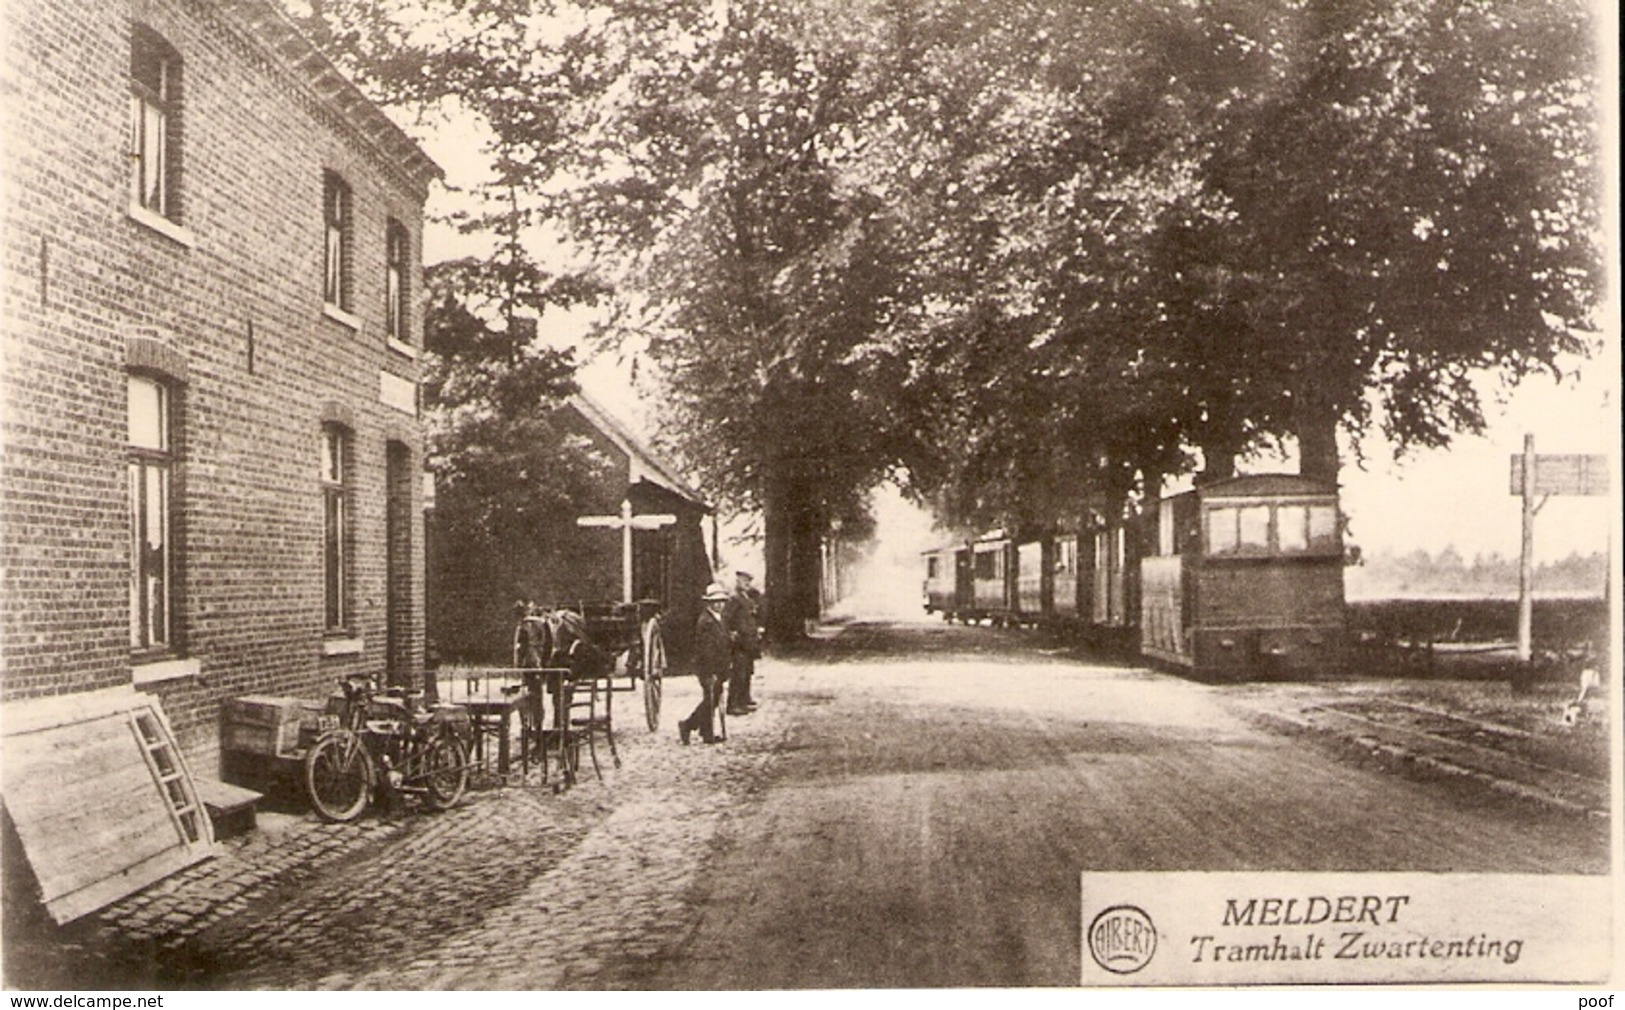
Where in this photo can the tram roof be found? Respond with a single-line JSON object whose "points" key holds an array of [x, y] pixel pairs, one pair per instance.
{"points": [[1264, 485]]}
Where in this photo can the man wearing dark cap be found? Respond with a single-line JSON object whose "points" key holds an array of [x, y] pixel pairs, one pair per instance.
{"points": [[745, 633]]}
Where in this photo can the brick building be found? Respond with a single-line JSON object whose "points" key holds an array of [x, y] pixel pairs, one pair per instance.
{"points": [[210, 483]]}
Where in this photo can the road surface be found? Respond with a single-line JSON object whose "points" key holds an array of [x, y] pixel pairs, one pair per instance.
{"points": [[929, 817], [912, 806]]}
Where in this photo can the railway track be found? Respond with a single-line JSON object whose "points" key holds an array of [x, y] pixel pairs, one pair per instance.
{"points": [[1503, 757]]}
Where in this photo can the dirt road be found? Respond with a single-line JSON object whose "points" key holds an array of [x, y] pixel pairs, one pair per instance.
{"points": [[929, 817]]}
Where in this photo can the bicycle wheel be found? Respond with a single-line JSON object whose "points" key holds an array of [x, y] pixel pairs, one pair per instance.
{"points": [[445, 768], [339, 776]]}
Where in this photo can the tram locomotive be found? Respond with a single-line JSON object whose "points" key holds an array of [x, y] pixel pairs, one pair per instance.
{"points": [[1241, 577]]}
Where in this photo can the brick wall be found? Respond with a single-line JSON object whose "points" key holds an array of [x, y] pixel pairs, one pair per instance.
{"points": [[233, 308]]}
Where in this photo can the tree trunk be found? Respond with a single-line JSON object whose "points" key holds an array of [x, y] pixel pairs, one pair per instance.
{"points": [[1218, 463], [1316, 424], [792, 535], [778, 617]]}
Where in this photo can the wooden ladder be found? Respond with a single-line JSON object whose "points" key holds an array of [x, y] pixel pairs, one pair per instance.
{"points": [[168, 770]]}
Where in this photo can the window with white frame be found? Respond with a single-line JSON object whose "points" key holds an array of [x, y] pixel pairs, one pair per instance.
{"points": [[337, 215], [397, 253], [150, 464], [335, 525], [155, 71]]}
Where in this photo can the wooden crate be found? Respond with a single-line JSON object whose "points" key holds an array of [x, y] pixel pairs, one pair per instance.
{"points": [[268, 725]]}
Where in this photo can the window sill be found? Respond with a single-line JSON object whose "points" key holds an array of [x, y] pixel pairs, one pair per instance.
{"points": [[342, 646], [165, 670], [402, 347], [342, 317], [162, 225]]}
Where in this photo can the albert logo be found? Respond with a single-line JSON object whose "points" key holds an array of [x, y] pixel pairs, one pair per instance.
{"points": [[1122, 939]]}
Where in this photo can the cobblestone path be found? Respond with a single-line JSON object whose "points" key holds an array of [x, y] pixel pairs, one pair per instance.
{"points": [[521, 889], [516, 888]]}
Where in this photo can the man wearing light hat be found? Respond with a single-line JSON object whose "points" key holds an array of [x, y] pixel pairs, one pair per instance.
{"points": [[711, 662]]}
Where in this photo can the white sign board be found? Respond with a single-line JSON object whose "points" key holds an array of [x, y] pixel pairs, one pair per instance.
{"points": [[1224, 929]]}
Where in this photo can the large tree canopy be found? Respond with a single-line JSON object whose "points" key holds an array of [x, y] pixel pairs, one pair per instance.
{"points": [[1030, 257], [1155, 227]]}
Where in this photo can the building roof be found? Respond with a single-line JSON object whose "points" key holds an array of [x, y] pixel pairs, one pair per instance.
{"points": [[645, 464], [272, 26]]}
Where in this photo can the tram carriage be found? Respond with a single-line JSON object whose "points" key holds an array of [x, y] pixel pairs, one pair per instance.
{"points": [[1240, 577], [1247, 578]]}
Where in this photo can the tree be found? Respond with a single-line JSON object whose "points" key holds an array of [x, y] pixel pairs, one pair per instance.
{"points": [[1411, 196], [1153, 228], [508, 483], [692, 148], [755, 273], [1032, 257]]}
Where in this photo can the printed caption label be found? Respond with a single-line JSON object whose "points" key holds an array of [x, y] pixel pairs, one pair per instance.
{"points": [[1207, 929]]}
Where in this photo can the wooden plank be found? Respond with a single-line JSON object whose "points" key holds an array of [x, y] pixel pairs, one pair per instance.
{"points": [[109, 811], [60, 763], [132, 878], [44, 713], [94, 821]]}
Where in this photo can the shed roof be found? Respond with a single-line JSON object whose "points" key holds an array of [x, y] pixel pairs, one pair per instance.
{"points": [[646, 464]]}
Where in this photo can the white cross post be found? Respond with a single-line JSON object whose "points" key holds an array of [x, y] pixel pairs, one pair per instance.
{"points": [[627, 522]]}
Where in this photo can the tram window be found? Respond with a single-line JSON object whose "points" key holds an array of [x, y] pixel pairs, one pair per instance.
{"points": [[1244, 530], [985, 560], [1322, 528], [1253, 536], [1068, 560], [931, 568], [1221, 531], [1292, 528]]}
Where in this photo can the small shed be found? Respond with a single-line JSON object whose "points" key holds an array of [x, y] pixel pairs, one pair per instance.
{"points": [[644, 539]]}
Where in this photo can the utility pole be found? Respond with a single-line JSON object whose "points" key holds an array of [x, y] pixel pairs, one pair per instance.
{"points": [[1545, 476], [626, 522], [1526, 559]]}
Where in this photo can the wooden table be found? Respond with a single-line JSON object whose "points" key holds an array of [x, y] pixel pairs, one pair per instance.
{"points": [[491, 697]]}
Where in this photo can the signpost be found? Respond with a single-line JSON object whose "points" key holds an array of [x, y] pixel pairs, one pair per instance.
{"points": [[1543, 476], [627, 522]]}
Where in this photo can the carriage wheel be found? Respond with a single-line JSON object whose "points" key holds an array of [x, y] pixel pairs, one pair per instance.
{"points": [[654, 671]]}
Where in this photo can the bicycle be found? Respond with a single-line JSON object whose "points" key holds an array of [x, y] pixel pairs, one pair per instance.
{"points": [[418, 753]]}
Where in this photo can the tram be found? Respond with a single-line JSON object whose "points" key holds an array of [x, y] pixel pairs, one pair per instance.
{"points": [[1238, 578]]}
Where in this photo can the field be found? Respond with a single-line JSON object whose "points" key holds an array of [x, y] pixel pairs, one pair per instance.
{"points": [[1560, 626], [1457, 656]]}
